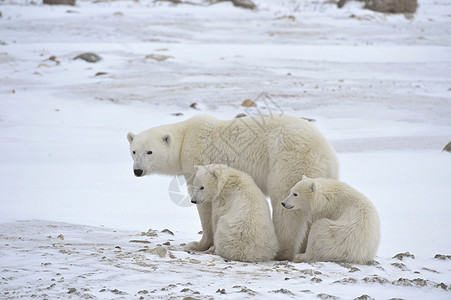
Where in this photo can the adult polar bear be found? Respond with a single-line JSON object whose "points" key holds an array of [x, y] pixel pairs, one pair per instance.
{"points": [[276, 150]]}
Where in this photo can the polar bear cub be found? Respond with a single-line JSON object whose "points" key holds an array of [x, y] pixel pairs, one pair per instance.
{"points": [[345, 224], [241, 220]]}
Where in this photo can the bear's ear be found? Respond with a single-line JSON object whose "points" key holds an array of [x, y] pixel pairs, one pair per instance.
{"points": [[167, 138], [313, 187], [130, 137], [304, 177]]}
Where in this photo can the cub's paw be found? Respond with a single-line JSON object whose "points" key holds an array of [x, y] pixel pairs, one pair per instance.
{"points": [[211, 250]]}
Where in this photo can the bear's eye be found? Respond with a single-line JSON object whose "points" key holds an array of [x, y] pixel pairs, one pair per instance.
{"points": [[149, 152], [201, 188], [134, 152], [295, 194]]}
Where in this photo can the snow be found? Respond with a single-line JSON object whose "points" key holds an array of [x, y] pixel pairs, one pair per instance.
{"points": [[378, 86]]}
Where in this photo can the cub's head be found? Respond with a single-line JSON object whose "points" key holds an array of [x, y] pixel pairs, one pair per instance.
{"points": [[150, 151], [302, 196], [208, 183]]}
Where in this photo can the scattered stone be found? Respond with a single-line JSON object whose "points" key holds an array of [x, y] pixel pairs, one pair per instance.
{"points": [[376, 279], [59, 2], [306, 291], [89, 57], [194, 105], [283, 291], [392, 6], [177, 114], [240, 116], [221, 291], [117, 292], [167, 231], [248, 103], [150, 232], [118, 13], [401, 256], [442, 286], [167, 243], [139, 241], [143, 292], [60, 237], [326, 296], [244, 4], [419, 282], [160, 251], [431, 270], [72, 290], [364, 297], [388, 6], [118, 247], [348, 280], [158, 57], [245, 290], [400, 266], [101, 73], [316, 280], [447, 149]]}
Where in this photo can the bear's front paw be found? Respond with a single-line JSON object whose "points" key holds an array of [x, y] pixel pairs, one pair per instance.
{"points": [[193, 246], [300, 258]]}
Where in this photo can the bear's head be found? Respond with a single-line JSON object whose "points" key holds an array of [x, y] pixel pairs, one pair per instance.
{"points": [[303, 195], [150, 151], [208, 183]]}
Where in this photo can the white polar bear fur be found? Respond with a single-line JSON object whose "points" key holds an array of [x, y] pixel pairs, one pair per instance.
{"points": [[275, 150], [241, 219], [345, 224]]}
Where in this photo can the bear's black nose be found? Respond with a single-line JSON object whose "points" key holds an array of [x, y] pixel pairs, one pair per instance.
{"points": [[283, 204], [138, 172]]}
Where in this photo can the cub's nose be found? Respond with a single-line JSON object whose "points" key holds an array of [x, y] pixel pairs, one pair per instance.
{"points": [[138, 172], [283, 204]]}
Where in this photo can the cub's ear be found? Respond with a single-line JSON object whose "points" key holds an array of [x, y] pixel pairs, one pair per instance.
{"points": [[304, 177], [130, 137], [196, 168], [167, 138], [313, 187]]}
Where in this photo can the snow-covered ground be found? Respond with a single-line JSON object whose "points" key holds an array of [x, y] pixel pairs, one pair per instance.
{"points": [[72, 213]]}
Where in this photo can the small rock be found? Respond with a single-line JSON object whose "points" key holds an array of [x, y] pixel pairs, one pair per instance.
{"points": [[60, 237], [392, 6], [158, 57], [59, 2], [101, 73], [177, 114], [193, 105], [401, 256], [221, 291], [89, 57], [167, 243], [167, 231], [326, 296], [248, 103], [240, 116], [139, 241], [150, 232], [244, 4], [400, 266], [447, 149], [283, 291], [72, 290], [364, 297], [375, 279], [118, 13], [118, 247]]}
